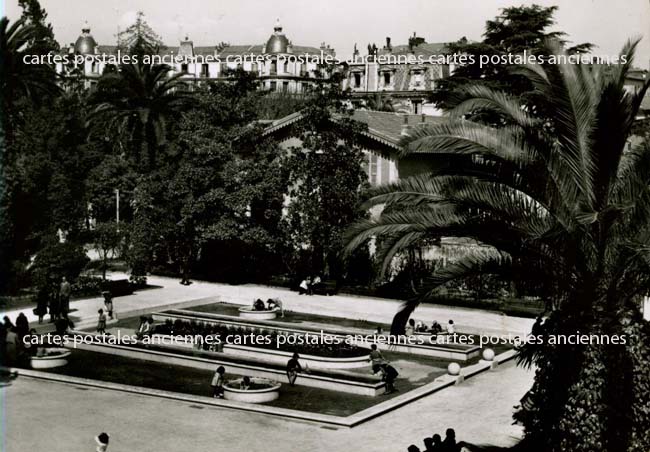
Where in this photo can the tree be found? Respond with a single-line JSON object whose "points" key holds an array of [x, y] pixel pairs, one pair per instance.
{"points": [[139, 39], [517, 29], [107, 239], [328, 174], [18, 79], [43, 41], [560, 201], [135, 104]]}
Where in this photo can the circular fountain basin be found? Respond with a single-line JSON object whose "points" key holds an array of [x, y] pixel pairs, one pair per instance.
{"points": [[248, 313], [53, 357], [262, 390]]}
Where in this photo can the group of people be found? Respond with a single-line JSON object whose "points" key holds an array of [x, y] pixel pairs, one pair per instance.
{"points": [[12, 347], [219, 378], [307, 285], [437, 444], [55, 300], [271, 304], [418, 326]]}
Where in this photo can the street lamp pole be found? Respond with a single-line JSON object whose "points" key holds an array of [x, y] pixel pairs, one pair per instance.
{"points": [[117, 205]]}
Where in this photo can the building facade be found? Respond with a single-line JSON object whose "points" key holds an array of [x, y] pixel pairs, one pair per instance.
{"points": [[279, 64], [398, 78]]}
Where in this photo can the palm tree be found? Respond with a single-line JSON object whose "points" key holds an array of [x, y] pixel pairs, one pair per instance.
{"points": [[18, 79], [561, 202], [135, 103]]}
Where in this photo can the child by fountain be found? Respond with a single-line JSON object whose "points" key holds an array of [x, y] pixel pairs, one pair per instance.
{"points": [[388, 374], [293, 369], [217, 382]]}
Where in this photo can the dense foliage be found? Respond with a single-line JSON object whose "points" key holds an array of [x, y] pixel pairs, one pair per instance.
{"points": [[561, 201]]}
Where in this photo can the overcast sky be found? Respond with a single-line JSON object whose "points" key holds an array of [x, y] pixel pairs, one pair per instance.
{"points": [[341, 23]]}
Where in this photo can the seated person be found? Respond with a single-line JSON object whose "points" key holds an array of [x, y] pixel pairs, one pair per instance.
{"points": [[245, 384], [305, 286], [410, 328], [275, 304], [435, 327], [451, 328], [420, 327], [146, 327], [258, 305]]}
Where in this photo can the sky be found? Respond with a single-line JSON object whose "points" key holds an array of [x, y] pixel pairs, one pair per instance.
{"points": [[342, 23]]}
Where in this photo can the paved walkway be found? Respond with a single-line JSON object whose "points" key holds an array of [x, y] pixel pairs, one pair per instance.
{"points": [[172, 294], [56, 417]]}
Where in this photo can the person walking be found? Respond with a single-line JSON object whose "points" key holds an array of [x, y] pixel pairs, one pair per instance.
{"points": [[101, 322], [102, 442], [293, 369], [217, 382], [65, 289]]}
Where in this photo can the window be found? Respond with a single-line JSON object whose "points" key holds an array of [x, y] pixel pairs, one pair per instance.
{"points": [[304, 87], [281, 67], [372, 169], [417, 107], [254, 68], [386, 78], [285, 87], [357, 80], [184, 67], [417, 78], [273, 86], [274, 67], [205, 70]]}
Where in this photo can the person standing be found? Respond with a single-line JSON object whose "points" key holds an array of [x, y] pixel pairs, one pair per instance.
{"points": [[376, 358], [108, 303], [293, 369], [217, 382], [65, 289], [54, 303], [101, 322]]}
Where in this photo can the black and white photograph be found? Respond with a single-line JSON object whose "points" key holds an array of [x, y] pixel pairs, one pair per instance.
{"points": [[325, 226]]}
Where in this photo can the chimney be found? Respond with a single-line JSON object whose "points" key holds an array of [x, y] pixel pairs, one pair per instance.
{"points": [[388, 46], [405, 126]]}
